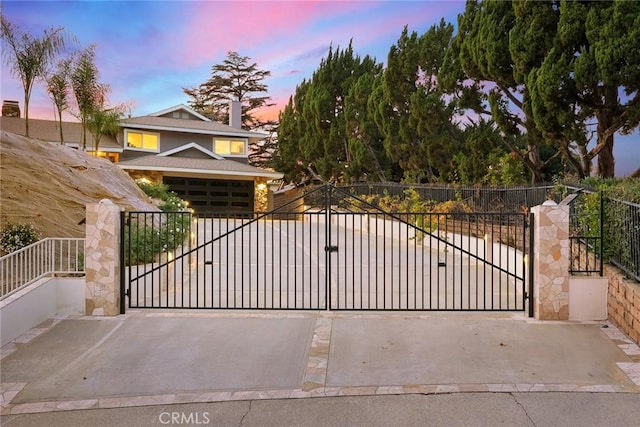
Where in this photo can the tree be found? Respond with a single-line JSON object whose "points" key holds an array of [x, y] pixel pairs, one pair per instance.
{"points": [[58, 89], [365, 142], [88, 92], [590, 75], [393, 108], [315, 135], [414, 111], [483, 157], [233, 79], [29, 57], [288, 157], [103, 121], [261, 153], [498, 45]]}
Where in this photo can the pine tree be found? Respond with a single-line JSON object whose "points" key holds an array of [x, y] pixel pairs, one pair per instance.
{"points": [[594, 59], [318, 132], [233, 79], [498, 51], [414, 112]]}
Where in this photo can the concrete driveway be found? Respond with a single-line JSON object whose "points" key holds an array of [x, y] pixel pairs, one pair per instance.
{"points": [[156, 358]]}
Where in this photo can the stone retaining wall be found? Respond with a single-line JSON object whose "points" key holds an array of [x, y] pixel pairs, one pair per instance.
{"points": [[623, 302]]}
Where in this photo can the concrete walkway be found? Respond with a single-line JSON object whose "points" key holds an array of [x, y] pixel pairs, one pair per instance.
{"points": [[203, 362]]}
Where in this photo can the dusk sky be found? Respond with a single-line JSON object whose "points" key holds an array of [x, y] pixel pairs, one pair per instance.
{"points": [[147, 51]]}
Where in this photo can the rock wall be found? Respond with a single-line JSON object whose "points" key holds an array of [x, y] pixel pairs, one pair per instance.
{"points": [[623, 302], [49, 185]]}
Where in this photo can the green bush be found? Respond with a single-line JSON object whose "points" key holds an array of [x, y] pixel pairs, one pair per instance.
{"points": [[157, 190], [627, 189], [17, 236], [144, 243], [172, 203], [619, 239]]}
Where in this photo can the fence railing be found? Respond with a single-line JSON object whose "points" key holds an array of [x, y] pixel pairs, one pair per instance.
{"points": [[586, 225], [609, 232], [622, 236], [481, 199], [47, 257]]}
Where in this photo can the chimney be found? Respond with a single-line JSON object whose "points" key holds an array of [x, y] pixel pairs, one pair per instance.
{"points": [[10, 109], [235, 114]]}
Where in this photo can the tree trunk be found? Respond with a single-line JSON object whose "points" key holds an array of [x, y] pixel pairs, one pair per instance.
{"points": [[536, 168], [60, 124], [26, 115], [606, 162]]}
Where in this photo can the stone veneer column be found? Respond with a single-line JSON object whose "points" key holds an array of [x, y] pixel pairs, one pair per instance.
{"points": [[102, 252], [551, 261]]}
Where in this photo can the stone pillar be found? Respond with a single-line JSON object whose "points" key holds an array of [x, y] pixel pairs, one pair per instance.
{"points": [[551, 261], [102, 253]]}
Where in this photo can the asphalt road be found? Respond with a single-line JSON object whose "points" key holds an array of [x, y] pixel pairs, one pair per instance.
{"points": [[462, 409]]}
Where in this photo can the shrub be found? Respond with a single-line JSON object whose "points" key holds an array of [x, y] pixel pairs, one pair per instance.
{"points": [[170, 202], [452, 206], [155, 190], [17, 236], [144, 243]]}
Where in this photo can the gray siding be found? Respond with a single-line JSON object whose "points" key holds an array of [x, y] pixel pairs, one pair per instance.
{"points": [[180, 114], [171, 140]]}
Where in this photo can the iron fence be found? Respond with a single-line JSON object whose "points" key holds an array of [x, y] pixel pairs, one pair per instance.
{"points": [[331, 253], [480, 199], [586, 222], [47, 257], [588, 239], [622, 236]]}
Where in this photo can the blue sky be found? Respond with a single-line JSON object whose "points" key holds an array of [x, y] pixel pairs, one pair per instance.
{"points": [[147, 51]]}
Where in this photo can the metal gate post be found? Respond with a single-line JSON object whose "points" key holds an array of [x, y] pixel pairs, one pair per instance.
{"points": [[530, 256], [327, 248], [123, 281]]}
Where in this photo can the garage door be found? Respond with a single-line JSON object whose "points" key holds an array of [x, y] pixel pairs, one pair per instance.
{"points": [[213, 195]]}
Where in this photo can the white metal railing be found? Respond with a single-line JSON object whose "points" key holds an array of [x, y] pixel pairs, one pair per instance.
{"points": [[47, 257]]}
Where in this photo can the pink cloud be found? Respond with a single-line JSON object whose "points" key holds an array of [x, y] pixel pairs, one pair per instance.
{"points": [[212, 32]]}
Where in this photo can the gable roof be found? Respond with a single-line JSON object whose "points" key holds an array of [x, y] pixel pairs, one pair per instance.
{"points": [[156, 162], [188, 126], [159, 122], [189, 146], [181, 107], [47, 130]]}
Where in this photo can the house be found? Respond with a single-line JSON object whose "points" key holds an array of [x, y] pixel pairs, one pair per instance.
{"points": [[204, 162]]}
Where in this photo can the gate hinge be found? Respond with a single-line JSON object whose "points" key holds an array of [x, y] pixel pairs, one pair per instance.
{"points": [[128, 293], [331, 249]]}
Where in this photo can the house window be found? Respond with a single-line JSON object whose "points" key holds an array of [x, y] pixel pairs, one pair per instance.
{"points": [[143, 140], [233, 147], [181, 115]]}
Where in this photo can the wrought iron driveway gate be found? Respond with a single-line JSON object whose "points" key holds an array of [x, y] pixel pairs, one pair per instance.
{"points": [[327, 250]]}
